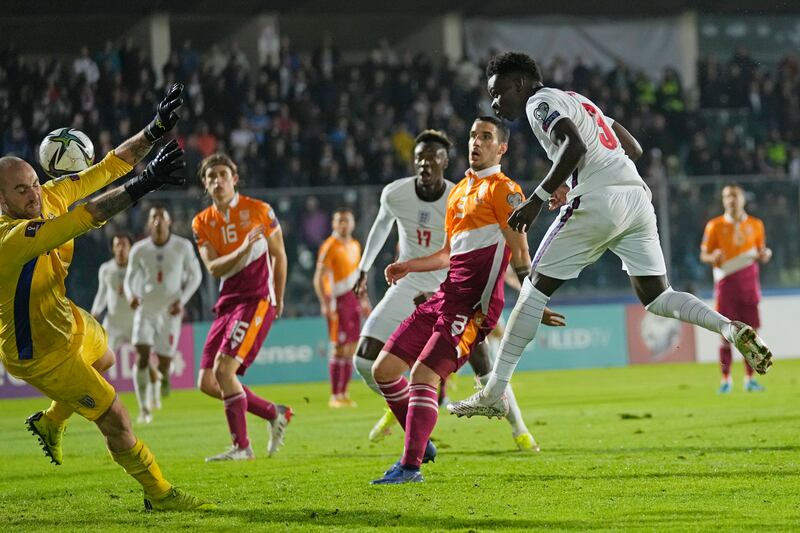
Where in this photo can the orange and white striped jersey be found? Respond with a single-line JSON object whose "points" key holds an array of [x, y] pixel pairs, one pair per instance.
{"points": [[341, 259], [251, 278], [477, 209], [740, 242]]}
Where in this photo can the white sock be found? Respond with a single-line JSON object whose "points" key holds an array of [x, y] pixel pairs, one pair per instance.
{"points": [[141, 381], [364, 369], [514, 415], [688, 308], [155, 392], [520, 330]]}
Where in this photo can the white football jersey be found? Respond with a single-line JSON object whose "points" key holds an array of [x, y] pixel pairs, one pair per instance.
{"points": [[160, 275], [420, 227], [605, 163], [110, 295]]}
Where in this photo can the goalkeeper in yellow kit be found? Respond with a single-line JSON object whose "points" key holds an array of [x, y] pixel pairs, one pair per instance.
{"points": [[47, 340]]}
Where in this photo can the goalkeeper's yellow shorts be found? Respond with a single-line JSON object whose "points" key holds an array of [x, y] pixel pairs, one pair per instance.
{"points": [[74, 381]]}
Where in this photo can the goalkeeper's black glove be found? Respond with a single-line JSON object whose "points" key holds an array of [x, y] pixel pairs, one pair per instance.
{"points": [[166, 168], [166, 117]]}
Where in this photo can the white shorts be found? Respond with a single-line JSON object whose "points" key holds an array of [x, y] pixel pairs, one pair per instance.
{"points": [[395, 306], [117, 333], [159, 330], [620, 219]]}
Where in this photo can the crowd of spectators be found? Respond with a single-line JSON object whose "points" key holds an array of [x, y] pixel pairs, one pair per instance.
{"points": [[311, 119]]}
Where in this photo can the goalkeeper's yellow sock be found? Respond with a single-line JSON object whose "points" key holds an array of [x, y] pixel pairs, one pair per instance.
{"points": [[58, 412], [140, 464]]}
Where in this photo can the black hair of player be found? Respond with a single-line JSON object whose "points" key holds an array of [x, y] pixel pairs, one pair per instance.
{"points": [[511, 62], [503, 131], [434, 136], [121, 235]]}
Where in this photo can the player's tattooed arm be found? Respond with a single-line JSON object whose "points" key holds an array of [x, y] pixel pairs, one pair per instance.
{"points": [[109, 204], [134, 149]]}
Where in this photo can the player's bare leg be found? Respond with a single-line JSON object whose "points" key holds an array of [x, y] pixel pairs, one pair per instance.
{"points": [[658, 297], [481, 362], [141, 384], [207, 383], [520, 331], [138, 461], [367, 351]]}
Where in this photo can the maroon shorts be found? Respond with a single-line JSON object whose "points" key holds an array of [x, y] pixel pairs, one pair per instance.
{"points": [[238, 331], [441, 333], [734, 308], [346, 327]]}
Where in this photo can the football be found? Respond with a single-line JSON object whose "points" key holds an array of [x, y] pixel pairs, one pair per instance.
{"points": [[65, 151]]}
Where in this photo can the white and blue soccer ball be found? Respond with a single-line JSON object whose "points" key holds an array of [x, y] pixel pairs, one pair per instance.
{"points": [[65, 151]]}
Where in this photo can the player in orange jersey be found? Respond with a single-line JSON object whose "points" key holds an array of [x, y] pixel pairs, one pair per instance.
{"points": [[336, 273], [734, 245], [438, 337], [239, 239]]}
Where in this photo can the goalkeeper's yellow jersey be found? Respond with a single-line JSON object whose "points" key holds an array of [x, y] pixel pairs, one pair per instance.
{"points": [[38, 322]]}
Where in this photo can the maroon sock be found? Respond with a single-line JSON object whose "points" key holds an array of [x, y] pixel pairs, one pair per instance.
{"points": [[259, 406], [423, 412], [748, 370], [235, 410], [396, 395], [345, 373], [725, 358], [333, 370]]}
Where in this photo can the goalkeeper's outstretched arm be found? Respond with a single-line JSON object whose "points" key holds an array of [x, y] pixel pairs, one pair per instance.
{"points": [[137, 147]]}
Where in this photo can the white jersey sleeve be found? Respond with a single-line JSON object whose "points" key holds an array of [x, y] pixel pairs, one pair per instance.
{"points": [[133, 272], [100, 300], [605, 163], [378, 233], [193, 272]]}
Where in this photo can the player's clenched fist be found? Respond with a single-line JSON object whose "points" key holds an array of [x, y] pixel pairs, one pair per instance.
{"points": [[395, 272], [523, 216], [166, 116]]}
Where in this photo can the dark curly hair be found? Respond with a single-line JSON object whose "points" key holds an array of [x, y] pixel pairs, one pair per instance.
{"points": [[434, 136], [511, 62]]}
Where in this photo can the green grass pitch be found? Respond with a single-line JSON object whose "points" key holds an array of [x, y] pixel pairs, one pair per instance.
{"points": [[638, 448]]}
